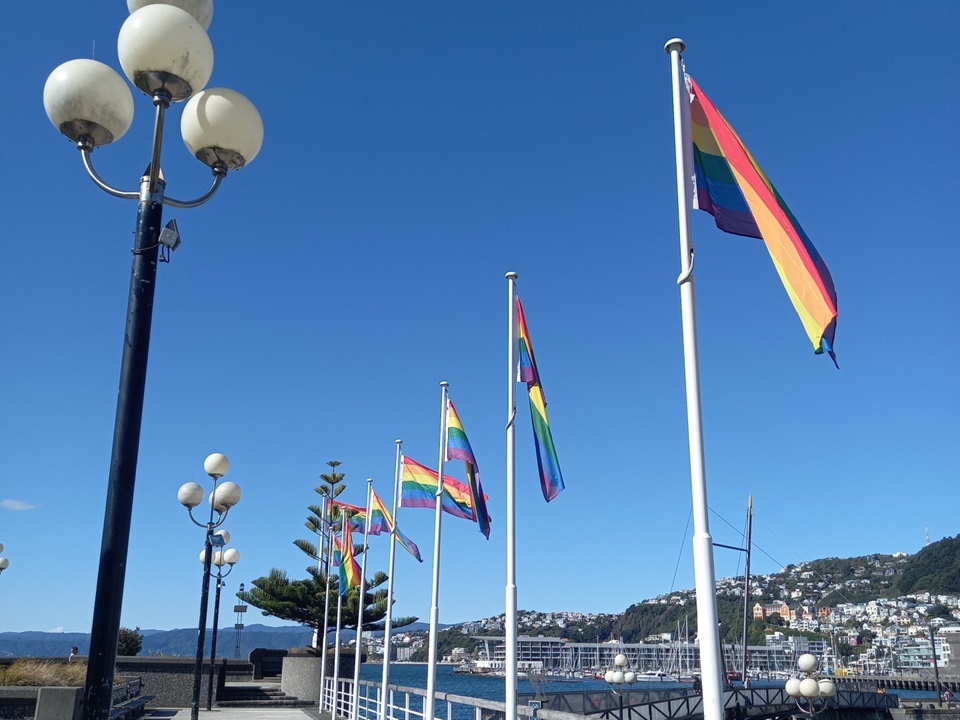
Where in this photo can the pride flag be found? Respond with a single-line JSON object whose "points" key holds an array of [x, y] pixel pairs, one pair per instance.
{"points": [[551, 480], [349, 569], [731, 186], [419, 489], [337, 552], [458, 448], [380, 520]]}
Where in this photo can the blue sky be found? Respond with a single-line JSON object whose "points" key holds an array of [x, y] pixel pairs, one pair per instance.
{"points": [[414, 153]]}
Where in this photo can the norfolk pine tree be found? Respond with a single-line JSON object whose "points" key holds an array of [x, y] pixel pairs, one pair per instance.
{"points": [[303, 601]]}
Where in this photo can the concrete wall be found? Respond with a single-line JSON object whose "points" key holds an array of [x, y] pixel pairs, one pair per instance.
{"points": [[301, 677], [58, 703], [169, 680]]}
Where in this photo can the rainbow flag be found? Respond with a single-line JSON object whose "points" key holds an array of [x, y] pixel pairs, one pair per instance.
{"points": [[349, 569], [458, 448], [551, 479], [380, 520], [337, 552], [407, 544], [731, 186], [419, 489]]}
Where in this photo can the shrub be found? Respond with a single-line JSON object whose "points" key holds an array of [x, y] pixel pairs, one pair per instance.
{"points": [[44, 673]]}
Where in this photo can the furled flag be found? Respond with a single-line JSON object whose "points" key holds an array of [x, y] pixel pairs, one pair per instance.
{"points": [[731, 186], [551, 480], [458, 448], [382, 516], [349, 569], [420, 490], [337, 552]]}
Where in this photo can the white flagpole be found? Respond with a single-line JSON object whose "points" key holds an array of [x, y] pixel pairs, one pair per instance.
{"points": [[428, 700], [323, 515], [510, 620], [711, 661], [355, 712], [388, 626], [328, 524], [336, 643]]}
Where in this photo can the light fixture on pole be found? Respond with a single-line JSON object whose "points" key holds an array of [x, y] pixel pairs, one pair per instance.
{"points": [[618, 677], [165, 52], [220, 558], [221, 499], [811, 690], [4, 563]]}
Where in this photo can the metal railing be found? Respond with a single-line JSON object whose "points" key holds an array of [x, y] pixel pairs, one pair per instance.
{"points": [[404, 703]]}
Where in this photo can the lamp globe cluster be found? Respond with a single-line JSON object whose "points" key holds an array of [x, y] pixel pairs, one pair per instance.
{"points": [[165, 52], [810, 687]]}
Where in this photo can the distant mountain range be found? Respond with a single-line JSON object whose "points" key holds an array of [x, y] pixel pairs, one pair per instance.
{"points": [[172, 643], [822, 583]]}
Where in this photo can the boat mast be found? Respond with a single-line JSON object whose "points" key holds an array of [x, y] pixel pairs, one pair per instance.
{"points": [[746, 587]]}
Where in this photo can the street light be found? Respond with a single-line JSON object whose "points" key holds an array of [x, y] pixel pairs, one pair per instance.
{"points": [[165, 52], [220, 558], [810, 688], [618, 677], [221, 500]]}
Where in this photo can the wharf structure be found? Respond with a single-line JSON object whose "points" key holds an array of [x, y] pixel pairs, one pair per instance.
{"points": [[558, 654], [777, 656]]}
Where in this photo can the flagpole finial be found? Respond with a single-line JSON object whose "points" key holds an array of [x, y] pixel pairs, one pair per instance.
{"points": [[444, 383], [398, 441], [511, 275], [674, 44]]}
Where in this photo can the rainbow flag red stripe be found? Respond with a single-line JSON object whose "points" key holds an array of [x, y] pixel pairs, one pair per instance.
{"points": [[731, 186]]}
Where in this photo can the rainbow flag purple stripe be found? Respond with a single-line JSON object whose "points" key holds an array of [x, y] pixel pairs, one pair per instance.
{"points": [[409, 545]]}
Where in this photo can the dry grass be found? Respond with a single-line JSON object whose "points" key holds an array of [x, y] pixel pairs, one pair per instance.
{"points": [[44, 673]]}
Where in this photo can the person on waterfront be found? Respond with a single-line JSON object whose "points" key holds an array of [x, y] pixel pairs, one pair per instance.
{"points": [[74, 654]]}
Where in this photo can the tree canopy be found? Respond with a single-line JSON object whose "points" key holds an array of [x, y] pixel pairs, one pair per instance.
{"points": [[304, 600]]}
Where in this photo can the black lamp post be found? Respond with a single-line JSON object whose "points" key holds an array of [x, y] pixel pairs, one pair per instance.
{"points": [[220, 558], [166, 53], [221, 500]]}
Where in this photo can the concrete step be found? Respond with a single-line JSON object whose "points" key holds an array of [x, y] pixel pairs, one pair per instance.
{"points": [[253, 696]]}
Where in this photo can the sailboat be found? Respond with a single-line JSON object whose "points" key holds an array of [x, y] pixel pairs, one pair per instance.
{"points": [[686, 675]]}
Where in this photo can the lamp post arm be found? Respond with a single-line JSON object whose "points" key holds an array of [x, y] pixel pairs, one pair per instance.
{"points": [[85, 146], [219, 173], [194, 520], [221, 518]]}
